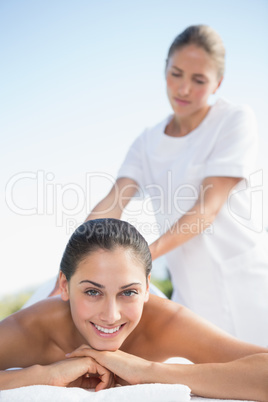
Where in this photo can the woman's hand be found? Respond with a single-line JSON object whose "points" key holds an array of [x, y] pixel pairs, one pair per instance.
{"points": [[128, 368], [83, 372]]}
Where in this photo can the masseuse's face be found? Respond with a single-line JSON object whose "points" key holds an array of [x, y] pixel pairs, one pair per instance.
{"points": [[191, 77], [106, 294]]}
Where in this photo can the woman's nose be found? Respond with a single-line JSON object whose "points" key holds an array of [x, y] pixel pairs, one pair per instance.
{"points": [[110, 312], [184, 88]]}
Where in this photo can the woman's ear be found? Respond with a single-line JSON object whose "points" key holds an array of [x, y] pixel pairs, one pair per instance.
{"points": [[64, 288], [147, 292], [218, 86]]}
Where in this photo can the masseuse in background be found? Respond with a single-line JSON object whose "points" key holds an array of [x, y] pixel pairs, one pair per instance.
{"points": [[189, 164]]}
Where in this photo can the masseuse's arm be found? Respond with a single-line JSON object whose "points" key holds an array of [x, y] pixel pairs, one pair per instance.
{"points": [[245, 378], [113, 204], [214, 193]]}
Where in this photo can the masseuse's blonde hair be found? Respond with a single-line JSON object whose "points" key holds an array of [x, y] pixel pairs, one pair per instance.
{"points": [[205, 37]]}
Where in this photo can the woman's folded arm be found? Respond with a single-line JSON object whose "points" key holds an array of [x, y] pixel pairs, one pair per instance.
{"points": [[245, 378], [78, 372], [22, 377]]}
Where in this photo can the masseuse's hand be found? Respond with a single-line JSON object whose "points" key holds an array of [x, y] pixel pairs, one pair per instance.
{"points": [[79, 372], [128, 368]]}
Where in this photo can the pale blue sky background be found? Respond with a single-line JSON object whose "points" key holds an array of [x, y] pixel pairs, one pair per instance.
{"points": [[79, 80]]}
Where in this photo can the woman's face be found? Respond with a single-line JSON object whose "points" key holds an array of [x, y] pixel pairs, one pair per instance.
{"points": [[191, 77], [106, 293]]}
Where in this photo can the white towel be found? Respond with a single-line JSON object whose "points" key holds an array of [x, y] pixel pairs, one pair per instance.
{"points": [[131, 393], [199, 399]]}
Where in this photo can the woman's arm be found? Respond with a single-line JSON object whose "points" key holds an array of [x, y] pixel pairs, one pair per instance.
{"points": [[78, 372], [213, 194], [113, 204], [245, 378]]}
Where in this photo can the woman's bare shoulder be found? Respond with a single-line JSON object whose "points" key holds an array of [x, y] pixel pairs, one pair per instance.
{"points": [[39, 316], [26, 333], [158, 311], [174, 330], [51, 305]]}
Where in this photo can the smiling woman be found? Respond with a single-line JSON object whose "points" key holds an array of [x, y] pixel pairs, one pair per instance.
{"points": [[106, 280], [110, 328], [116, 311]]}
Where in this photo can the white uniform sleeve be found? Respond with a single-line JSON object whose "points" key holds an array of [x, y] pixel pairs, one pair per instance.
{"points": [[132, 164], [234, 153]]}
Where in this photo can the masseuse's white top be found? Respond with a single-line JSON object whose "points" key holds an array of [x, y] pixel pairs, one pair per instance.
{"points": [[221, 274]]}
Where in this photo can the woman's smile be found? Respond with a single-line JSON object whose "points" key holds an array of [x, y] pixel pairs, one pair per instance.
{"points": [[107, 293], [107, 332]]}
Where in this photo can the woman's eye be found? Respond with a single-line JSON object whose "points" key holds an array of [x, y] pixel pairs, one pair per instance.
{"points": [[200, 82], [92, 292], [129, 293], [175, 75]]}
